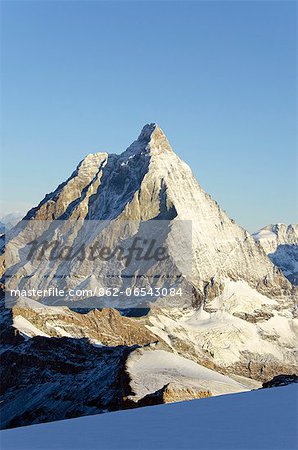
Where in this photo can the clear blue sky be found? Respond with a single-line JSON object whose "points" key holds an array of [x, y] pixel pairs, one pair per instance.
{"points": [[218, 77]]}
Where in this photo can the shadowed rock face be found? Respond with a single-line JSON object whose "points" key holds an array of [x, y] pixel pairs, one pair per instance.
{"points": [[46, 379], [48, 376], [281, 380], [286, 258], [174, 393]]}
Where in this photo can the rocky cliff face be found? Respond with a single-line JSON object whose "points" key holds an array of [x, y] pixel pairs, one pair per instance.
{"points": [[170, 393], [105, 328]]}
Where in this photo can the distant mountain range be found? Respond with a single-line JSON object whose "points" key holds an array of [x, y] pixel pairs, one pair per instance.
{"points": [[235, 330], [9, 220], [280, 243]]}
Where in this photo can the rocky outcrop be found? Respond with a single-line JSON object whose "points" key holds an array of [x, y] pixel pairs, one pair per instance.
{"points": [[257, 316], [260, 367], [46, 379], [106, 327], [170, 393], [280, 380]]}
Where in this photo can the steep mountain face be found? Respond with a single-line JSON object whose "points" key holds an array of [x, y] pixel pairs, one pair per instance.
{"points": [[45, 379], [238, 329], [280, 243], [57, 364], [150, 181]]}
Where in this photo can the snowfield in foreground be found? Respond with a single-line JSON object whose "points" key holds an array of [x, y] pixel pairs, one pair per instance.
{"points": [[262, 419]]}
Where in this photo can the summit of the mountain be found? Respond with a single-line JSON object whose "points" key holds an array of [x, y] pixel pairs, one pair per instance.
{"points": [[152, 139]]}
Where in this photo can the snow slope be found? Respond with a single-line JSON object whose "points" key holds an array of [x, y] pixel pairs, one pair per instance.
{"points": [[263, 419], [151, 370], [240, 330], [278, 234]]}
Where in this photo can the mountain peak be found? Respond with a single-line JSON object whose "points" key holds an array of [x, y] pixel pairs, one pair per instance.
{"points": [[152, 139]]}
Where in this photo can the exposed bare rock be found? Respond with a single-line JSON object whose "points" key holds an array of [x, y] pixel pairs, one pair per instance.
{"points": [[258, 316], [260, 367], [170, 393], [174, 393], [107, 327], [46, 379], [281, 380]]}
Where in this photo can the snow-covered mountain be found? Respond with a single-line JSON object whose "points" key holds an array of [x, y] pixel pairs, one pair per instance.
{"points": [[149, 181], [280, 243], [238, 329], [271, 236]]}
